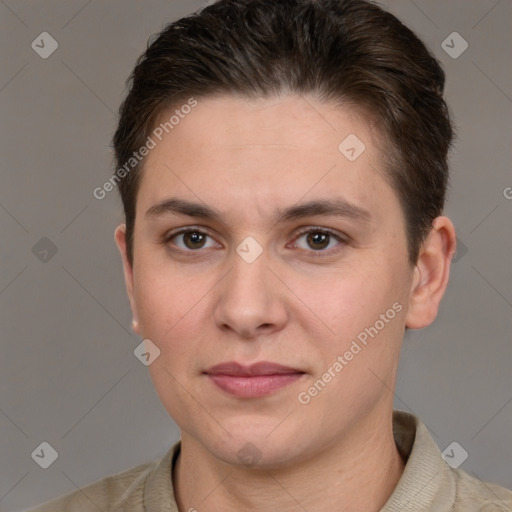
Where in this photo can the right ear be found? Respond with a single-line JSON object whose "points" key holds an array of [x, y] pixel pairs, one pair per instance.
{"points": [[120, 238]]}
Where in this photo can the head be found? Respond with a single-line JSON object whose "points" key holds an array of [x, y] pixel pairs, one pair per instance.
{"points": [[303, 144]]}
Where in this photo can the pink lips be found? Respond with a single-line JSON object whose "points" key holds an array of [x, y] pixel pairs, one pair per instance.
{"points": [[256, 380]]}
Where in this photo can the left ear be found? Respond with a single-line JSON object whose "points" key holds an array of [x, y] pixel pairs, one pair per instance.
{"points": [[431, 274]]}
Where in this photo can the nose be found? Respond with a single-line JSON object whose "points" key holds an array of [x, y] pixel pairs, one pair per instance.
{"points": [[250, 300]]}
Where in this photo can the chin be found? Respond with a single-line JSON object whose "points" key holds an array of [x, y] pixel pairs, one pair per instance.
{"points": [[256, 448]]}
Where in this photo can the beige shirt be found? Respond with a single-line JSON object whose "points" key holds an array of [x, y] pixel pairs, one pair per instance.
{"points": [[428, 483]]}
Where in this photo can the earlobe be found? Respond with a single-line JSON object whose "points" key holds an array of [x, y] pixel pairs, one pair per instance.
{"points": [[120, 239], [431, 274]]}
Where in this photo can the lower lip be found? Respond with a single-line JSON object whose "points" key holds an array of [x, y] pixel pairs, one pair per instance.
{"points": [[253, 386]]}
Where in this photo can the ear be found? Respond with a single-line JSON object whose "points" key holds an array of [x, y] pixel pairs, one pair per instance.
{"points": [[431, 274], [120, 238]]}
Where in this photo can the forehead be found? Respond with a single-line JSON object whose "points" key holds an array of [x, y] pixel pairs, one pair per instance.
{"points": [[298, 121], [234, 152]]}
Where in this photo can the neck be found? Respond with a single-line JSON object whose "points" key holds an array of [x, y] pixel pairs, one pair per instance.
{"points": [[358, 473]]}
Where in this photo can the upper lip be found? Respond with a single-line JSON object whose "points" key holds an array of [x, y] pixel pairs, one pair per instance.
{"points": [[260, 368]]}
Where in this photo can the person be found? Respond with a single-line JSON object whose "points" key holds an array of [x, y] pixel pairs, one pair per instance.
{"points": [[283, 169]]}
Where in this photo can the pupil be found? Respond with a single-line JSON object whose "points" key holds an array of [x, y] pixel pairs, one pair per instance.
{"points": [[194, 240], [318, 239]]}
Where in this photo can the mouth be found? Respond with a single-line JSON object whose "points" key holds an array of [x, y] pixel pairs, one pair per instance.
{"points": [[254, 381]]}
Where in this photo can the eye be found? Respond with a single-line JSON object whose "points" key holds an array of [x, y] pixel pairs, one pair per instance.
{"points": [[190, 239], [318, 240]]}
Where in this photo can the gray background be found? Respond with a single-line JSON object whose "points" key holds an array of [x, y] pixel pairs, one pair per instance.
{"points": [[68, 375]]}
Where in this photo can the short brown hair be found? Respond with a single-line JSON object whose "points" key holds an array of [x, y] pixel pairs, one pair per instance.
{"points": [[342, 51]]}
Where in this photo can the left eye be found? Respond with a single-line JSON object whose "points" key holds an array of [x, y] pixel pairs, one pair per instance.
{"points": [[318, 240]]}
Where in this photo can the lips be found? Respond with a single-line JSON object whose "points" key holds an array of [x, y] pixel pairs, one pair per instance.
{"points": [[261, 368], [257, 380]]}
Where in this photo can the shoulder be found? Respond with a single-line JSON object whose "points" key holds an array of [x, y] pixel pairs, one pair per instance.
{"points": [[430, 483], [106, 495], [473, 495]]}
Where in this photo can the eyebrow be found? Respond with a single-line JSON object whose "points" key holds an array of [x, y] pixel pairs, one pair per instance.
{"points": [[325, 207]]}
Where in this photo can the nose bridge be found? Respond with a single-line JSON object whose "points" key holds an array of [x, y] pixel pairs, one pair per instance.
{"points": [[248, 278]]}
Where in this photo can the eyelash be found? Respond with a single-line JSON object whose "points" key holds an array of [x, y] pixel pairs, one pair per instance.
{"points": [[318, 253]]}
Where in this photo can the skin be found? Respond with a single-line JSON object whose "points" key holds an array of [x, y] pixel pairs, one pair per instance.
{"points": [[297, 304]]}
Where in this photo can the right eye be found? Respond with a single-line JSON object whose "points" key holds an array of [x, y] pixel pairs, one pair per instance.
{"points": [[189, 240]]}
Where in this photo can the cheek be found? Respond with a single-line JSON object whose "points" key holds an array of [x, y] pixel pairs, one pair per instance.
{"points": [[344, 302], [174, 313], [357, 359], [164, 297], [173, 316]]}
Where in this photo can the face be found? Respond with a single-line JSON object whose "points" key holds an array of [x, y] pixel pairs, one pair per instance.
{"points": [[259, 239]]}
